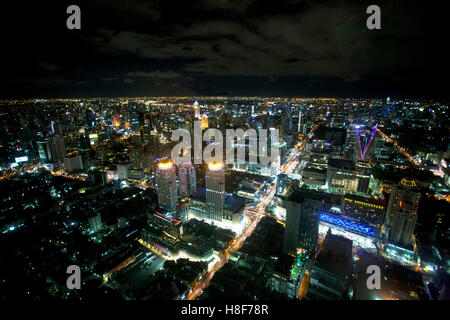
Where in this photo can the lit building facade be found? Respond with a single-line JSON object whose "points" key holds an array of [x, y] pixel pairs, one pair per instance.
{"points": [[367, 211], [95, 222], [167, 185], [187, 177], [345, 175], [204, 122], [302, 221], [145, 126], [401, 215], [215, 190], [331, 273], [196, 110]]}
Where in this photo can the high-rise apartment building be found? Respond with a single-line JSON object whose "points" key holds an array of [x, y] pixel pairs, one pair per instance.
{"points": [[145, 126], [187, 177], [52, 150], [401, 214], [95, 222], [302, 221], [167, 185], [215, 190], [196, 110]]}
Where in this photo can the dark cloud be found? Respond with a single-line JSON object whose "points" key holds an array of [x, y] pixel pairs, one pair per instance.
{"points": [[207, 47]]}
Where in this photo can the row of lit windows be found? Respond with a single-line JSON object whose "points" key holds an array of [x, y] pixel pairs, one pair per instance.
{"points": [[371, 205]]}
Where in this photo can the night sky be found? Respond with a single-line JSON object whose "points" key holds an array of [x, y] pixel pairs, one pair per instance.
{"points": [[218, 47]]}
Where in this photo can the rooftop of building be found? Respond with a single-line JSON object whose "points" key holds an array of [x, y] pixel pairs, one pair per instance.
{"points": [[298, 195], [365, 199], [335, 256], [315, 169], [340, 163], [284, 264], [232, 203]]}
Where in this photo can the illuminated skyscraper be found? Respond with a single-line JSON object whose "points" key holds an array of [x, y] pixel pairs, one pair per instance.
{"points": [[188, 183], [90, 117], [116, 121], [197, 110], [299, 121], [204, 122], [95, 222], [215, 190], [52, 150], [302, 221], [401, 212], [145, 126], [167, 185]]}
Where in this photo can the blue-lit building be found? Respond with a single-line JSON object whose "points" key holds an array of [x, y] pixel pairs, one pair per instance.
{"points": [[364, 211]]}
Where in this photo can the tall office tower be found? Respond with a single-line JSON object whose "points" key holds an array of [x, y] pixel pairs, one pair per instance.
{"points": [[145, 126], [73, 162], [167, 185], [196, 110], [189, 125], [270, 121], [401, 214], [215, 190], [95, 222], [300, 120], [287, 127], [302, 221], [57, 149], [116, 121], [188, 181], [351, 143], [204, 122], [331, 273], [90, 117], [44, 151], [56, 127], [84, 142]]}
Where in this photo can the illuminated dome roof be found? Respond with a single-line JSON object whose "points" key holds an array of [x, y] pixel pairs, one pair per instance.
{"points": [[165, 165], [215, 166]]}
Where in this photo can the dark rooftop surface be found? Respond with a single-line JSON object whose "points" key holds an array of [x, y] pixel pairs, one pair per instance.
{"points": [[339, 163], [336, 255], [284, 264]]}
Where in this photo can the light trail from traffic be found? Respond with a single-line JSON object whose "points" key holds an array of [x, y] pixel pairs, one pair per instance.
{"points": [[400, 149], [416, 163]]}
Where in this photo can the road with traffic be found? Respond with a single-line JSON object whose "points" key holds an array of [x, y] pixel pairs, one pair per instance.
{"points": [[254, 214]]}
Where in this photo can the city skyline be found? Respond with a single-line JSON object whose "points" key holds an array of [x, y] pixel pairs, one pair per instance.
{"points": [[254, 48], [255, 156]]}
